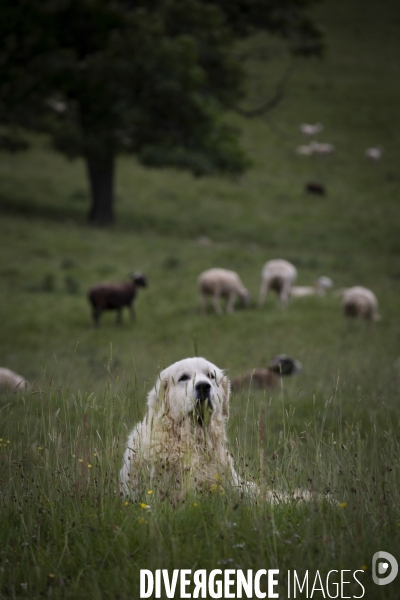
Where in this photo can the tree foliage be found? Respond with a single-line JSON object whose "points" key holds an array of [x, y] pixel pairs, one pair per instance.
{"points": [[149, 77]]}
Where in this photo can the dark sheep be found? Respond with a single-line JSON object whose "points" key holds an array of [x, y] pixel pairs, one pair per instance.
{"points": [[284, 365], [315, 188], [114, 296], [259, 379]]}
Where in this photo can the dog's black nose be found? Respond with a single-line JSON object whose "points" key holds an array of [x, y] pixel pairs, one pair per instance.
{"points": [[203, 386], [202, 390]]}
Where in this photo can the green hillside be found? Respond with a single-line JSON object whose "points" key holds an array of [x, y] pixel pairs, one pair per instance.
{"points": [[90, 384]]}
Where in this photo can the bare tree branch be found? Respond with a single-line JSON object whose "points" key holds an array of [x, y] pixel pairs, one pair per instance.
{"points": [[271, 102]]}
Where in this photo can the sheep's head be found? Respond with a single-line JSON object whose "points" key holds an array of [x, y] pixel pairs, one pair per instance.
{"points": [[139, 279]]}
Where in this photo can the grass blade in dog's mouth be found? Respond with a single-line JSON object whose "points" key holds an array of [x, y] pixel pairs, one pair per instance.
{"points": [[203, 411]]}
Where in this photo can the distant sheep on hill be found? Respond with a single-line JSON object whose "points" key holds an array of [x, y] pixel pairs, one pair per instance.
{"points": [[320, 287], [360, 303], [304, 150], [312, 187], [310, 130], [374, 153], [279, 366], [221, 283], [278, 275], [114, 296], [324, 149], [11, 381]]}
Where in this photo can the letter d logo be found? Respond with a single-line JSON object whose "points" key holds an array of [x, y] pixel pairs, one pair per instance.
{"points": [[383, 568]]}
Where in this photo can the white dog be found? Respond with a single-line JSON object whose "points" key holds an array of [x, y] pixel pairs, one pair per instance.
{"points": [[181, 444]]}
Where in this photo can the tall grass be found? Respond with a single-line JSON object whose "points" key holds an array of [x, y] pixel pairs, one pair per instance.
{"points": [[334, 430], [66, 532]]}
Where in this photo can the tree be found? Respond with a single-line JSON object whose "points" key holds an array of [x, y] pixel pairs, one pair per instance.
{"points": [[149, 77]]}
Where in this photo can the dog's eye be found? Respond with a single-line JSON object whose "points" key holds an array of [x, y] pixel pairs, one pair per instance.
{"points": [[211, 375], [184, 377]]}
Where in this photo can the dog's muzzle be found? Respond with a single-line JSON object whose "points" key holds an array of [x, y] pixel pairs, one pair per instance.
{"points": [[203, 394], [204, 406]]}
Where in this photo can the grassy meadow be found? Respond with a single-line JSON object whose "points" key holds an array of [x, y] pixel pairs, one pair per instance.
{"points": [[64, 530]]}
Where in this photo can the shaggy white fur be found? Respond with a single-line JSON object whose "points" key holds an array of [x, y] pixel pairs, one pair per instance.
{"points": [[181, 444], [12, 381]]}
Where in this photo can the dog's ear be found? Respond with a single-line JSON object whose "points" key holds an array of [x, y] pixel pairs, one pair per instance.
{"points": [[156, 395], [225, 386]]}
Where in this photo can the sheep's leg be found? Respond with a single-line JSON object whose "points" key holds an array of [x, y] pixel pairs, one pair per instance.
{"points": [[217, 304], [132, 313], [284, 296], [231, 303], [263, 292], [96, 312]]}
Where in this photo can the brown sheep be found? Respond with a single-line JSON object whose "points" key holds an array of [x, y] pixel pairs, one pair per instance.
{"points": [[114, 296], [259, 379]]}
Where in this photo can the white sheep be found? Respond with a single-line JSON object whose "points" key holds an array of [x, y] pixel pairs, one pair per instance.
{"points": [[221, 283], [304, 150], [278, 275], [374, 153], [310, 130], [319, 288], [360, 302], [11, 381], [323, 149]]}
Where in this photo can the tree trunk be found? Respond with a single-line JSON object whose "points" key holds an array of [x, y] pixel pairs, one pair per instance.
{"points": [[101, 177]]}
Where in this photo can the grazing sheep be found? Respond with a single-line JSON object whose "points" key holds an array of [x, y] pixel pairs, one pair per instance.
{"points": [[221, 283], [278, 275], [279, 366], [360, 303], [374, 153], [11, 381], [311, 130], [323, 149], [284, 365], [114, 296], [304, 150], [313, 187], [320, 287]]}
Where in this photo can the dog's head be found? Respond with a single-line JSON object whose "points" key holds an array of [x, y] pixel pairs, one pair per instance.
{"points": [[191, 387]]}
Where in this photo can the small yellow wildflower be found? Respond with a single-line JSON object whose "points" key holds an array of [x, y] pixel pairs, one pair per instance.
{"points": [[8, 442], [95, 454], [217, 488], [89, 466], [144, 505], [40, 448], [80, 459], [343, 505], [195, 504], [150, 492], [1, 439], [126, 503]]}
